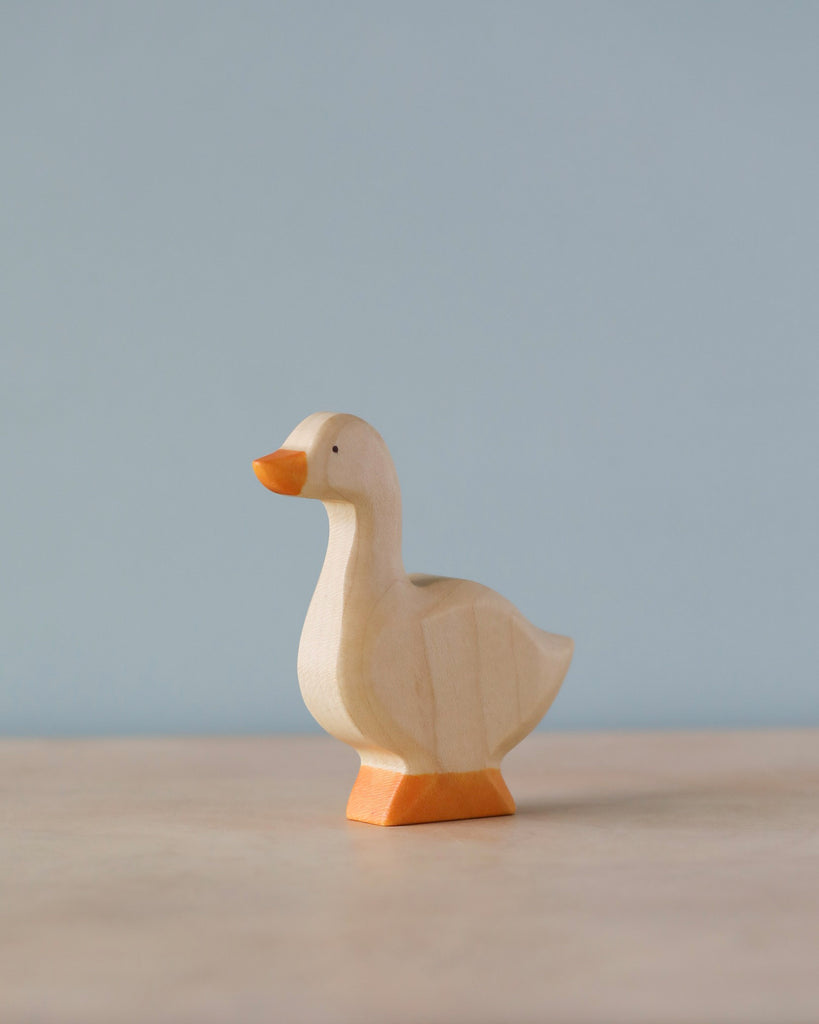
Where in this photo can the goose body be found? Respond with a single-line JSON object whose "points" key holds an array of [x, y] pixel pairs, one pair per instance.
{"points": [[432, 679]]}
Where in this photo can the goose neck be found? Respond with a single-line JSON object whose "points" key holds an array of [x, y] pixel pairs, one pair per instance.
{"points": [[365, 539]]}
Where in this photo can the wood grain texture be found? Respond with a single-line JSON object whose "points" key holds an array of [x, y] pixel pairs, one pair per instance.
{"points": [[421, 674], [645, 878]]}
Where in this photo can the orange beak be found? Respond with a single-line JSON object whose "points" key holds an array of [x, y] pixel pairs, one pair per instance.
{"points": [[284, 471]]}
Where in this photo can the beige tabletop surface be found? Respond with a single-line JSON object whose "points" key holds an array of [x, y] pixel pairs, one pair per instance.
{"points": [[656, 877]]}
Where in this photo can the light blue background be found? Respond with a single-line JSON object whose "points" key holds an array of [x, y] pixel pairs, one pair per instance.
{"points": [[564, 256]]}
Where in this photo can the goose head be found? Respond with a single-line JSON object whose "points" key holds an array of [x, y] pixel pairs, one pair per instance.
{"points": [[332, 457]]}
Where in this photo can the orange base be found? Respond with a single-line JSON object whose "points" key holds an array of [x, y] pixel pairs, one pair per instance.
{"points": [[382, 797]]}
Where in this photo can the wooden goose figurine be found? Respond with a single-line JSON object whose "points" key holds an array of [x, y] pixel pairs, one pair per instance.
{"points": [[432, 680]]}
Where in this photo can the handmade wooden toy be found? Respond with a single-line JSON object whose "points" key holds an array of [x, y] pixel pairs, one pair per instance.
{"points": [[432, 680]]}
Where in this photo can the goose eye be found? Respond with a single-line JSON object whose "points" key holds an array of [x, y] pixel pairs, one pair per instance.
{"points": [[335, 448]]}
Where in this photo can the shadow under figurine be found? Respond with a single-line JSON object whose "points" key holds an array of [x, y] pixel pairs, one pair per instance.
{"points": [[433, 680]]}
